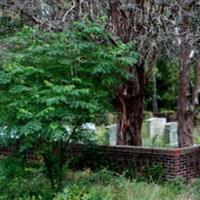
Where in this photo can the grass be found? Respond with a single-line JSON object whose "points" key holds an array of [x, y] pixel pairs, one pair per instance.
{"points": [[29, 183], [106, 186]]}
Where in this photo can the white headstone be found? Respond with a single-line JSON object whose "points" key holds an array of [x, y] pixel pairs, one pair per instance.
{"points": [[155, 126], [112, 130], [67, 129], [170, 134], [89, 126]]}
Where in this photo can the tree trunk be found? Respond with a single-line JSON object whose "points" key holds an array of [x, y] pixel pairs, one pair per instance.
{"points": [[185, 109], [154, 98], [185, 126], [185, 112], [130, 95], [130, 110], [186, 104]]}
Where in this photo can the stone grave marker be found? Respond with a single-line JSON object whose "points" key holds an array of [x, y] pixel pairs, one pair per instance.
{"points": [[112, 132], [155, 126], [90, 126], [170, 134]]}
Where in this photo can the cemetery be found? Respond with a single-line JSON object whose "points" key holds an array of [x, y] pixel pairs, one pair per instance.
{"points": [[99, 100], [176, 162]]}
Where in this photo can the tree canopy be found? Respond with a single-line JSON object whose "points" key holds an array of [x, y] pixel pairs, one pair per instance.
{"points": [[52, 79]]}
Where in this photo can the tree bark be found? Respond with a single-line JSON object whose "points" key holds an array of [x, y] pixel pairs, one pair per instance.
{"points": [[185, 114], [128, 24], [185, 111], [154, 98], [130, 110]]}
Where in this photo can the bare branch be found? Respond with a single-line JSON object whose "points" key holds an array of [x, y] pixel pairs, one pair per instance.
{"points": [[68, 11]]}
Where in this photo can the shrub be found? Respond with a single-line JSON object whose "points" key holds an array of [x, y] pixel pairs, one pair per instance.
{"points": [[22, 181], [52, 83]]}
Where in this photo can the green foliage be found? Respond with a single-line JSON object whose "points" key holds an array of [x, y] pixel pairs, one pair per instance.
{"points": [[21, 181], [55, 79], [121, 188], [167, 82], [80, 188], [8, 25], [30, 184], [102, 136], [147, 115], [166, 73], [155, 173], [53, 82]]}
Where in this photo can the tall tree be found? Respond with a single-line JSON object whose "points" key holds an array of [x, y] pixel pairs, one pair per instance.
{"points": [[138, 21], [130, 20], [152, 24], [189, 57], [183, 28]]}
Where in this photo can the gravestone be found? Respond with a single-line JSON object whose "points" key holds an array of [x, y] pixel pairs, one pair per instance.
{"points": [[90, 126], [112, 131], [87, 126], [170, 134], [2, 133], [155, 126]]}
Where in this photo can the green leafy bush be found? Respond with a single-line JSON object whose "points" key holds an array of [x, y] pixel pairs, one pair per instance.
{"points": [[53, 82], [154, 173], [21, 181], [119, 188]]}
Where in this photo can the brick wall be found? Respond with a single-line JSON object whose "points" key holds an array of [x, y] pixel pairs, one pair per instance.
{"points": [[180, 162]]}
